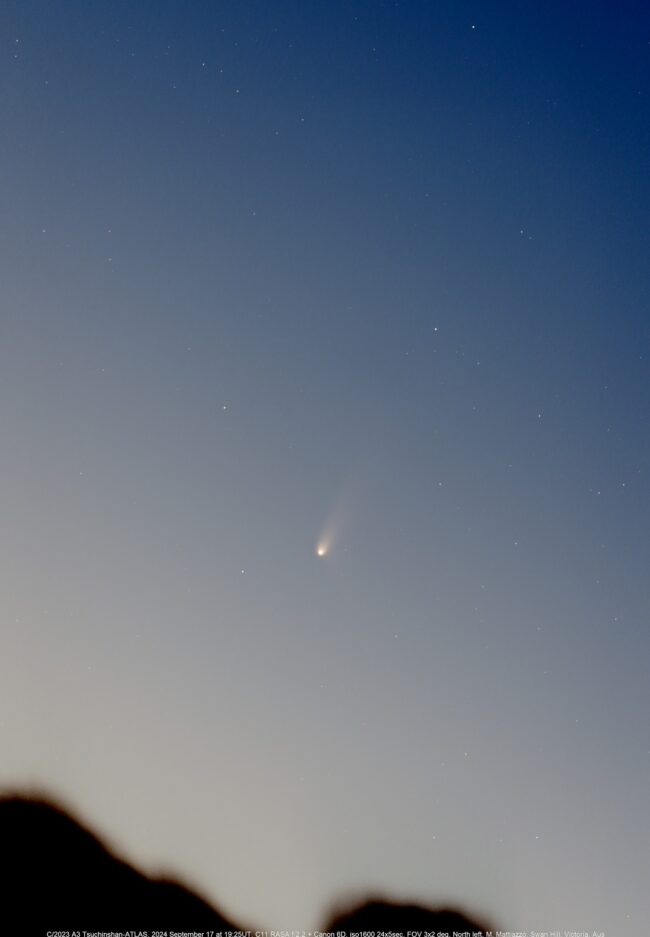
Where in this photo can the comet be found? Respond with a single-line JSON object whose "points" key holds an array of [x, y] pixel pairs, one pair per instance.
{"points": [[334, 524]]}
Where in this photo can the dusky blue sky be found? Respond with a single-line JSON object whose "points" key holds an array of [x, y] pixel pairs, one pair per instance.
{"points": [[273, 272]]}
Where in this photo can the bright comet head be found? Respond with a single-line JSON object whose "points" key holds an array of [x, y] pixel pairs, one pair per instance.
{"points": [[321, 549]]}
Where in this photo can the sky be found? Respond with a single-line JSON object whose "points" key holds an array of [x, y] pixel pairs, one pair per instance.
{"points": [[367, 278]]}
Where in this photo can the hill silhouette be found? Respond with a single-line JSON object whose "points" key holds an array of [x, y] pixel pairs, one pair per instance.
{"points": [[56, 875]]}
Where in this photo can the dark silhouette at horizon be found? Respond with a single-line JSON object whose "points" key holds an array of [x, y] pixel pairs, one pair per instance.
{"points": [[57, 875]]}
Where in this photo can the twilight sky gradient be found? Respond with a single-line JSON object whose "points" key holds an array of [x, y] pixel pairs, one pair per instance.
{"points": [[270, 270]]}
